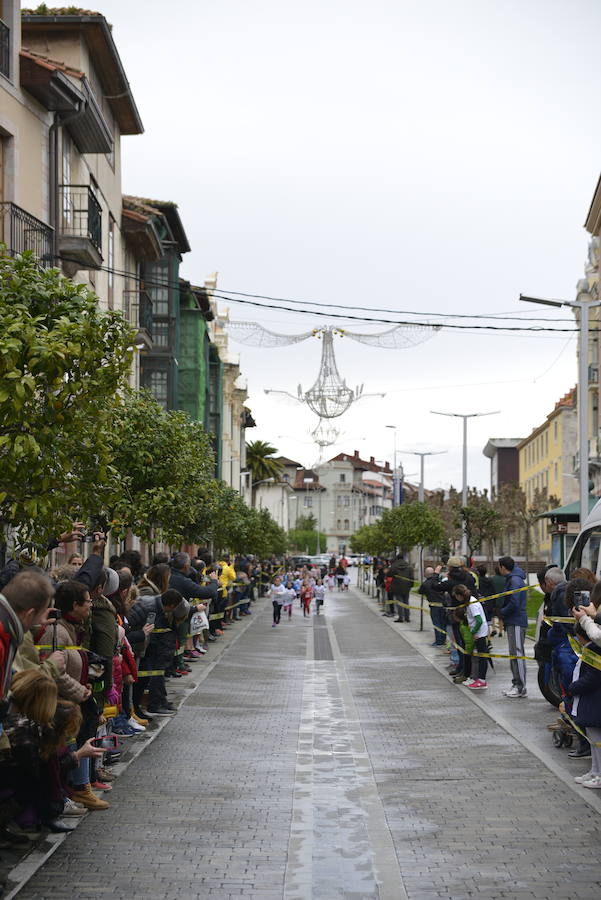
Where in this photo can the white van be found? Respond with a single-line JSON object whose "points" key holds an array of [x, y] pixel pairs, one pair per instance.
{"points": [[585, 553]]}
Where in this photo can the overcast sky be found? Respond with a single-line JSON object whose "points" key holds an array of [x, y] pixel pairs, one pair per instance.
{"points": [[422, 155]]}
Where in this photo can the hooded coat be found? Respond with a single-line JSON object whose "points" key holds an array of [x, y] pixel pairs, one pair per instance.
{"points": [[513, 611], [401, 573]]}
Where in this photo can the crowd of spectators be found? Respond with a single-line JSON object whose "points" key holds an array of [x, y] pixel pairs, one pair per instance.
{"points": [[468, 607], [86, 655]]}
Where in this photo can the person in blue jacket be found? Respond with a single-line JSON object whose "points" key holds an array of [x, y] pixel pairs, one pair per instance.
{"points": [[515, 618], [583, 703]]}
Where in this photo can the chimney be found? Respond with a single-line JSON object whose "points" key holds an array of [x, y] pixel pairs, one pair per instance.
{"points": [[372, 460], [356, 454]]}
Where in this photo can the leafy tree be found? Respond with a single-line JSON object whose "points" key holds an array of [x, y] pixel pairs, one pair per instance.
{"points": [[162, 472], [304, 540], [412, 525], [482, 521], [448, 507], [406, 526], [62, 359]]}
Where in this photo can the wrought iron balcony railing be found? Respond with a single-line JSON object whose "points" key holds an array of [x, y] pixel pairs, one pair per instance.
{"points": [[20, 231], [80, 213]]}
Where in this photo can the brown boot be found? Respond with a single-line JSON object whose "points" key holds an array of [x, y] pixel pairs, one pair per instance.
{"points": [[88, 798]]}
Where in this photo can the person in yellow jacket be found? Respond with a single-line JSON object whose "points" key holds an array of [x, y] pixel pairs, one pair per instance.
{"points": [[226, 579]]}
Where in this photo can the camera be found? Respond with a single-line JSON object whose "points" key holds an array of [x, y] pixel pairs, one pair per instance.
{"points": [[581, 598], [54, 615]]}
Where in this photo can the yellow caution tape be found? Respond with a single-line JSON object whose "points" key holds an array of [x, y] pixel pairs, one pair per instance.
{"points": [[147, 673], [585, 654], [61, 647], [579, 730], [462, 649]]}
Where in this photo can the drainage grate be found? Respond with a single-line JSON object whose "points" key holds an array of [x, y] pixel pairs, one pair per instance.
{"points": [[322, 649]]}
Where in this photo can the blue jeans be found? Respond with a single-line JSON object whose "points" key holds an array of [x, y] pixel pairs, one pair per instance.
{"points": [[438, 616]]}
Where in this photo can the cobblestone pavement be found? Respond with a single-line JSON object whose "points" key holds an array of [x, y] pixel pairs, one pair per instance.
{"points": [[327, 758]]}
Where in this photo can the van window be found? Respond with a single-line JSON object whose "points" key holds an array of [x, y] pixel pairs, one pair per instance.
{"points": [[586, 552]]}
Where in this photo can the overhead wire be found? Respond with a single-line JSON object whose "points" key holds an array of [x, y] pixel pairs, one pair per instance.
{"points": [[246, 299]]}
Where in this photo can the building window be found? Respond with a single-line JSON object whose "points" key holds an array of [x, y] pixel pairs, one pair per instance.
{"points": [[157, 285], [555, 471], [160, 334], [346, 525], [338, 524], [342, 477], [111, 262], [308, 500], [158, 386], [555, 430], [347, 500], [339, 500]]}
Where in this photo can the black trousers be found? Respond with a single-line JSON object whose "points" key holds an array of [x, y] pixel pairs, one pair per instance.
{"points": [[277, 611]]}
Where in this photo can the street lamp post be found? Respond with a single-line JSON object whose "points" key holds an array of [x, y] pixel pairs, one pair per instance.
{"points": [[421, 455], [583, 302], [465, 417]]}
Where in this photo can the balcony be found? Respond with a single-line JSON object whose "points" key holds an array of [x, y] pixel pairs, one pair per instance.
{"points": [[593, 375], [80, 234], [21, 231], [4, 49], [137, 309]]}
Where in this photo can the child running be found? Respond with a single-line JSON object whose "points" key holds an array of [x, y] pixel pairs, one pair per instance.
{"points": [[306, 596], [320, 593], [288, 598], [277, 593]]}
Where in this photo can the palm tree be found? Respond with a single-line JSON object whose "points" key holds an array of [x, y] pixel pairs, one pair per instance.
{"points": [[262, 465]]}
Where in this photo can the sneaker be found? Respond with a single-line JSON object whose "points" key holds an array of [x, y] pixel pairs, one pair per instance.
{"points": [[105, 775], [468, 682], [593, 782], [57, 826], [580, 752], [478, 685], [458, 679], [523, 692], [101, 786], [139, 718], [136, 725], [273, 624], [73, 809], [512, 693], [124, 729], [163, 711], [580, 779]]}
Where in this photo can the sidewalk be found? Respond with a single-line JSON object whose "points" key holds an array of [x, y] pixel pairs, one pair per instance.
{"points": [[18, 867], [526, 720]]}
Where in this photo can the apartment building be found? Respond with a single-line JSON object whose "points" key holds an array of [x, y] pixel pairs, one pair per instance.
{"points": [[547, 461]]}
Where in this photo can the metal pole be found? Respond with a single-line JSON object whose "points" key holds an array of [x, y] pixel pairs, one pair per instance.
{"points": [[583, 409], [420, 495], [464, 491]]}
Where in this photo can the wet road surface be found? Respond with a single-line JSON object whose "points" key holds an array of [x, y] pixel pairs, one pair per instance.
{"points": [[327, 758]]}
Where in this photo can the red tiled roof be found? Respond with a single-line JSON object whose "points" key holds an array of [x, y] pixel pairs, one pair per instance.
{"points": [[52, 64]]}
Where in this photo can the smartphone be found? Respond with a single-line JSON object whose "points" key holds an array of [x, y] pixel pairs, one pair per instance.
{"points": [[151, 617], [88, 538], [108, 742], [54, 614], [581, 598]]}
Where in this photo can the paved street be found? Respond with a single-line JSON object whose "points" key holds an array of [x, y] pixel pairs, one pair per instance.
{"points": [[329, 758]]}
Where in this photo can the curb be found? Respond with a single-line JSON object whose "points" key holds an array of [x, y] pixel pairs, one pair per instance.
{"points": [[37, 857], [589, 797]]}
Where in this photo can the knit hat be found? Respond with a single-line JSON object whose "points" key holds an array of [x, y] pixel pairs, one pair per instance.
{"points": [[112, 582], [181, 610], [455, 562]]}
